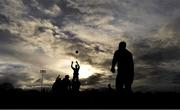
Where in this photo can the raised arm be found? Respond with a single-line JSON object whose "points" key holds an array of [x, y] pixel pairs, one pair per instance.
{"points": [[57, 77], [78, 64], [72, 65]]}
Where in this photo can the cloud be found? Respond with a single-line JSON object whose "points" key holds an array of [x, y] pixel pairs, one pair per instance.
{"points": [[14, 73], [97, 80], [3, 19], [161, 54], [46, 34], [92, 80]]}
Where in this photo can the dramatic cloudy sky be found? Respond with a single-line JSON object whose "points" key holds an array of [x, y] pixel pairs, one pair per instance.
{"points": [[44, 34]]}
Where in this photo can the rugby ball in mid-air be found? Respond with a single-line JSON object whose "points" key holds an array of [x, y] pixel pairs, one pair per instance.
{"points": [[77, 52]]}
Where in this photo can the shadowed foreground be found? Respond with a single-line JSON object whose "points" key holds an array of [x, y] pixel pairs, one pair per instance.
{"points": [[87, 99]]}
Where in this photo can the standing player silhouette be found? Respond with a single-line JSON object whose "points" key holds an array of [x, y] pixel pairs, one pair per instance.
{"points": [[125, 75]]}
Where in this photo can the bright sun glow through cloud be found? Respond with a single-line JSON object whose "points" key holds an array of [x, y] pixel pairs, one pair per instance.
{"points": [[85, 71]]}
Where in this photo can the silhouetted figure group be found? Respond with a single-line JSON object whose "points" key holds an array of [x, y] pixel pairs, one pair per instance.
{"points": [[125, 76], [65, 86], [124, 60], [57, 86]]}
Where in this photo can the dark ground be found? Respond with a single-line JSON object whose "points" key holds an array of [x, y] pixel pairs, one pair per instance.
{"points": [[17, 98]]}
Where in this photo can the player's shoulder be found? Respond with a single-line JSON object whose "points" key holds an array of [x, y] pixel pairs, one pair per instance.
{"points": [[129, 52], [117, 52]]}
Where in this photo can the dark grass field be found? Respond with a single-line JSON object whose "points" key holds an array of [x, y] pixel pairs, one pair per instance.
{"points": [[87, 99]]}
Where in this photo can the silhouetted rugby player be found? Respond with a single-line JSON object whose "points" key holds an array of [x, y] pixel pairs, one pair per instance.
{"points": [[76, 70], [124, 60]]}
